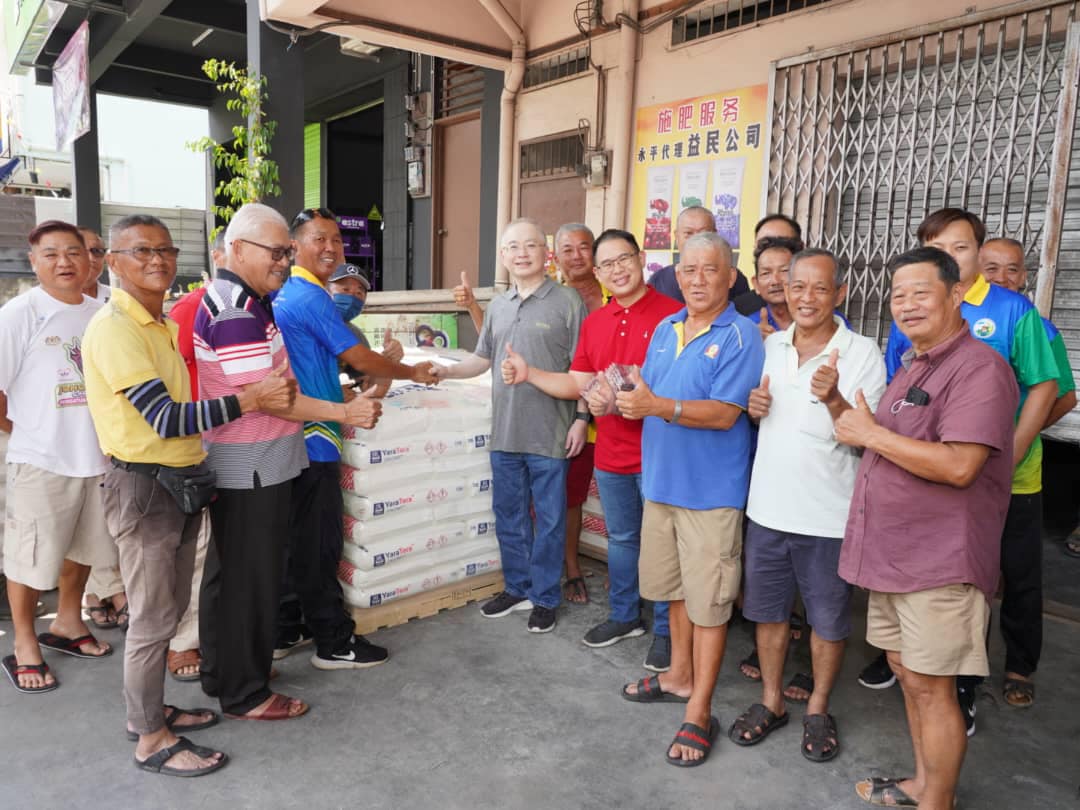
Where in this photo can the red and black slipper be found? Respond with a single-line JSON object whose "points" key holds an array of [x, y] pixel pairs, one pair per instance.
{"points": [[15, 669], [694, 736], [71, 646]]}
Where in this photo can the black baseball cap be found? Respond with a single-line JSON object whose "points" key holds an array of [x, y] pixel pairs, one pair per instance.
{"points": [[345, 271]]}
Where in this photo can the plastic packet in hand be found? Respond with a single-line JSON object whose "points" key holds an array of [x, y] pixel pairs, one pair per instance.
{"points": [[591, 388], [618, 376]]}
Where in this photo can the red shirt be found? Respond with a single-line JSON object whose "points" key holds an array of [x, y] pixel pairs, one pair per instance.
{"points": [[183, 314], [905, 533], [617, 334]]}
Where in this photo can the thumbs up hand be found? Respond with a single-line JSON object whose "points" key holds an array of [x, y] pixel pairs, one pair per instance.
{"points": [[514, 368], [463, 294], [638, 403], [823, 385], [392, 348], [760, 400], [764, 326], [855, 426]]}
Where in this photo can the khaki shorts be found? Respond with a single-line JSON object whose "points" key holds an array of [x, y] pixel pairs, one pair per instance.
{"points": [[51, 518], [941, 631], [693, 555]]}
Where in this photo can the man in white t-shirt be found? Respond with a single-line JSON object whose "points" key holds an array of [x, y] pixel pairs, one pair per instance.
{"points": [[800, 491], [55, 524]]}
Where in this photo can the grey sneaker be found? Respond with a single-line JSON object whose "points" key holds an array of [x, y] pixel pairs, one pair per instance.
{"points": [[611, 632], [503, 604], [659, 657], [542, 620]]}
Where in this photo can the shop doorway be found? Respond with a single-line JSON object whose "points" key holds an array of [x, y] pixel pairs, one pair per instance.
{"points": [[354, 183], [457, 208]]}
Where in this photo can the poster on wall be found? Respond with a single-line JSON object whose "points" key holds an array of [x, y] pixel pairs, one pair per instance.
{"points": [[706, 151]]}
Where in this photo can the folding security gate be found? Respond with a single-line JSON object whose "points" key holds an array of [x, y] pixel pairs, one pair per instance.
{"points": [[980, 113]]}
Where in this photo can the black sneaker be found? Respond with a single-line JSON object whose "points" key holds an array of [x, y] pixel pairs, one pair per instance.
{"points": [[877, 674], [542, 620], [358, 653], [290, 639], [966, 697], [610, 632], [659, 657], [504, 604]]}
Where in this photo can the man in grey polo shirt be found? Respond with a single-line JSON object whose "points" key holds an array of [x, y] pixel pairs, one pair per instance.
{"points": [[541, 321]]}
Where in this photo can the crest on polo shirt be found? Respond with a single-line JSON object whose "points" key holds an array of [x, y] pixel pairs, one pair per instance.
{"points": [[712, 351], [984, 328]]}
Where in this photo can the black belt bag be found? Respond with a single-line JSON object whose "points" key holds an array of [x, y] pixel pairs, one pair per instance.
{"points": [[193, 488]]}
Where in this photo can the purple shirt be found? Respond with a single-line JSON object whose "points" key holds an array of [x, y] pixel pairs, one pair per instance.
{"points": [[907, 534]]}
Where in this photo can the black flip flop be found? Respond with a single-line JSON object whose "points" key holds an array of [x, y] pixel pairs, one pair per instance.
{"points": [[800, 680], [12, 667], [70, 646], [649, 691], [155, 763], [695, 737], [751, 661], [108, 624], [576, 584], [170, 720], [756, 717]]}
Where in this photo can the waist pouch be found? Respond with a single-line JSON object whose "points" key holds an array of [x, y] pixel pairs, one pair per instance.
{"points": [[193, 488]]}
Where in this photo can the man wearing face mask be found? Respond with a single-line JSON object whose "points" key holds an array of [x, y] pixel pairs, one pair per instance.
{"points": [[349, 287]]}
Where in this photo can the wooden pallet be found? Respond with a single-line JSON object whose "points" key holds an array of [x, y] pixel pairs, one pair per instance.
{"points": [[428, 603]]}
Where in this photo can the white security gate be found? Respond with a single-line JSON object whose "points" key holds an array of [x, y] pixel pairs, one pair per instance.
{"points": [[977, 113]]}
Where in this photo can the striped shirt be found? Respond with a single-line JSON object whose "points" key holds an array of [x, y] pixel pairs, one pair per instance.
{"points": [[237, 343]]}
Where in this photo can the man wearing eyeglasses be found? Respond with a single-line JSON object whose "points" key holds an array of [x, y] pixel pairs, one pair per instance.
{"points": [[317, 340], [139, 393], [529, 427], [617, 333]]}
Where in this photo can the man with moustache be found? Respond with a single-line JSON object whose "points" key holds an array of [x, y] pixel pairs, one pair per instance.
{"points": [[529, 427], [800, 491], [55, 529], [317, 339], [617, 333], [138, 392], [692, 394], [924, 528]]}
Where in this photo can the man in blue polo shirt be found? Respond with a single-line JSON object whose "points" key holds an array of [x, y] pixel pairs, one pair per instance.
{"points": [[695, 461], [1011, 325], [317, 338]]}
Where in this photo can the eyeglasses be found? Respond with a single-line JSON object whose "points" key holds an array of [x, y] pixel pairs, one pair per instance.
{"points": [[145, 254], [99, 252], [624, 261], [309, 214], [276, 253]]}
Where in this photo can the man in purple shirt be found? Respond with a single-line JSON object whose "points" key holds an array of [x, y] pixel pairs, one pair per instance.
{"points": [[923, 533]]}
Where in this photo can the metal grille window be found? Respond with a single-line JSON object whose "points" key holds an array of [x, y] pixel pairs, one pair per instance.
{"points": [[557, 67], [716, 18], [865, 143], [552, 157], [458, 88]]}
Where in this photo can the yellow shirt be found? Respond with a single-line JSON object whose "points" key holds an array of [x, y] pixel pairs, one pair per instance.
{"points": [[124, 346]]}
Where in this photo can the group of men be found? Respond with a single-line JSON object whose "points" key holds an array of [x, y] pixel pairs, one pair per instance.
{"points": [[113, 459], [749, 447], [850, 469]]}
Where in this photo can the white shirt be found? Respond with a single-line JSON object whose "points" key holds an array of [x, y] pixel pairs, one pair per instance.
{"points": [[103, 293], [41, 373], [803, 479]]}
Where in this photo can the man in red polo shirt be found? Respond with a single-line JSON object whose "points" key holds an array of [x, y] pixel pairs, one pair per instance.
{"points": [[617, 333]]}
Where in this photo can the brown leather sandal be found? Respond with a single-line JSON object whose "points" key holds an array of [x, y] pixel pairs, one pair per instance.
{"points": [[179, 660]]}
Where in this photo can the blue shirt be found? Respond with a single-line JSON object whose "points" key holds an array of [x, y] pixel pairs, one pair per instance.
{"points": [[664, 281], [314, 336], [691, 467]]}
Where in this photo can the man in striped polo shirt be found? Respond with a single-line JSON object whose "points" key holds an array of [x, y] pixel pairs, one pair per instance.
{"points": [[256, 459]]}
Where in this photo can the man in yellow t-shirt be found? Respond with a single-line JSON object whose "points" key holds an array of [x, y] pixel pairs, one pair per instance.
{"points": [[139, 393]]}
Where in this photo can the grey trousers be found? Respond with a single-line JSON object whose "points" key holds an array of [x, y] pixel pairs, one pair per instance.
{"points": [[156, 543]]}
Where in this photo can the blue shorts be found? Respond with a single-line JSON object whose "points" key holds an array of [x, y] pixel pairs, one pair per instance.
{"points": [[776, 563]]}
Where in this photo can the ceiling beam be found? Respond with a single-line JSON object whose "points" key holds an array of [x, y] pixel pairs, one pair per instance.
{"points": [[117, 37]]}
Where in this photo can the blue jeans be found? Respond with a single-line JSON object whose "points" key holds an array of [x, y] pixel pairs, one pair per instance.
{"points": [[621, 498], [532, 556]]}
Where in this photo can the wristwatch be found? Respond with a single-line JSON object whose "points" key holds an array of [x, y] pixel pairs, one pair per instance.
{"points": [[676, 414]]}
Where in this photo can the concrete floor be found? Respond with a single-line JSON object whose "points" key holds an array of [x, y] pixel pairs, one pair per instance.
{"points": [[478, 713]]}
